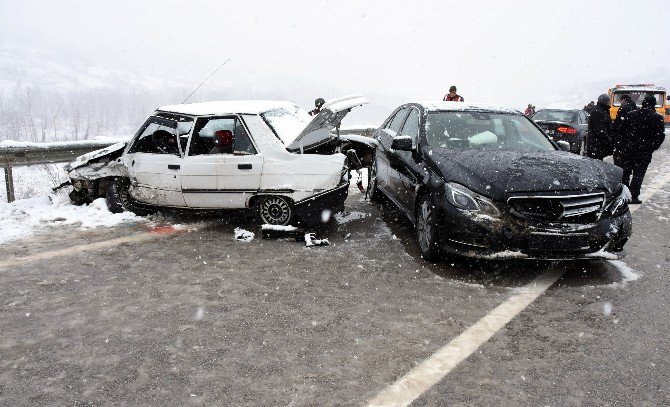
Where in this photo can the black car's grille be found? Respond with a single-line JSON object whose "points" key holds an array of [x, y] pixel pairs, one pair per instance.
{"points": [[585, 208]]}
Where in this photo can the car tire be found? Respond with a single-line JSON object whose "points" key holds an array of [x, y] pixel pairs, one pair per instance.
{"points": [[119, 200], [275, 210], [426, 232], [374, 194], [77, 198]]}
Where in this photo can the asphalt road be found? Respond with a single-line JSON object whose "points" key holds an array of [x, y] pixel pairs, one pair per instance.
{"points": [[139, 315]]}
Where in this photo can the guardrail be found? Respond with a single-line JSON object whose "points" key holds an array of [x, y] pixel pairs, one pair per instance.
{"points": [[14, 154]]}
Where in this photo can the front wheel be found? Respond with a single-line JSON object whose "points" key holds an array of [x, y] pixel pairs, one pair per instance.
{"points": [[426, 231], [119, 200], [373, 191], [275, 210]]}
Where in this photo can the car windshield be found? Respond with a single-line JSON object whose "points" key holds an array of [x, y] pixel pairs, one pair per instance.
{"points": [[286, 124], [484, 130], [566, 116], [638, 96]]}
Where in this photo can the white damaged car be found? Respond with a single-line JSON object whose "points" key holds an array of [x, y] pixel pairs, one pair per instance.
{"points": [[266, 155]]}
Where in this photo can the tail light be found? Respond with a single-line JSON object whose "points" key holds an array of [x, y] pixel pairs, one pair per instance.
{"points": [[566, 130]]}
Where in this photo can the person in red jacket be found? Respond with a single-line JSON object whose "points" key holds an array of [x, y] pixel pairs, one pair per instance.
{"points": [[452, 96]]}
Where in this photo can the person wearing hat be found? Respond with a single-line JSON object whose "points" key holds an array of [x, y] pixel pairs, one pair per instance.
{"points": [[317, 106], [641, 134], [599, 134], [452, 96]]}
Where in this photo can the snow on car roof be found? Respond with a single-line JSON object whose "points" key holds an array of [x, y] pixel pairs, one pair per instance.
{"points": [[462, 106], [227, 107], [632, 88]]}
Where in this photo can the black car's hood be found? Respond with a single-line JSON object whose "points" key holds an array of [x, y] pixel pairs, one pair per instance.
{"points": [[499, 174]]}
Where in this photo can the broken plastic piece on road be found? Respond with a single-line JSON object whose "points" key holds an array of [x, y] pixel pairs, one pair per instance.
{"points": [[311, 240], [244, 235]]}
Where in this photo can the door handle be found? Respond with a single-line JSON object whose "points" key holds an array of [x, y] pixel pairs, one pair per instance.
{"points": [[244, 166], [173, 166]]}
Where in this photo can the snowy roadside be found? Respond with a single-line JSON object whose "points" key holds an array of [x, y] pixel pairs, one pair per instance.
{"points": [[24, 217]]}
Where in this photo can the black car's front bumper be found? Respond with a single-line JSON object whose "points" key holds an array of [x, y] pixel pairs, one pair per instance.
{"points": [[472, 235]]}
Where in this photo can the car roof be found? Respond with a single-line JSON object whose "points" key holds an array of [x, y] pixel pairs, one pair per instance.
{"points": [[227, 107], [463, 106]]}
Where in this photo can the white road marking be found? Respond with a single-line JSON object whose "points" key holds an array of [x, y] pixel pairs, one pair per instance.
{"points": [[80, 248], [429, 372]]}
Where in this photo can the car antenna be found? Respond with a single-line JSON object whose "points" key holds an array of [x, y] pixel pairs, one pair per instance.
{"points": [[206, 79]]}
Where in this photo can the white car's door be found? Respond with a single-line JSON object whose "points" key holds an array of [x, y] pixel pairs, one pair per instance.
{"points": [[154, 160], [222, 167]]}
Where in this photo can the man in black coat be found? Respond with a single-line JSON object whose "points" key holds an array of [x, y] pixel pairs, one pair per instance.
{"points": [[642, 133], [627, 106], [599, 135]]}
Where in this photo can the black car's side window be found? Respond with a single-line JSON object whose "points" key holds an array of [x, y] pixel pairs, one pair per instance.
{"points": [[411, 127], [394, 125]]}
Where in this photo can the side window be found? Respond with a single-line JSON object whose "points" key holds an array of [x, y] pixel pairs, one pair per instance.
{"points": [[220, 135], [411, 127], [395, 124]]}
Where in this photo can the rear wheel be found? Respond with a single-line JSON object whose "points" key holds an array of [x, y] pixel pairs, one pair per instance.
{"points": [[275, 210], [426, 231]]}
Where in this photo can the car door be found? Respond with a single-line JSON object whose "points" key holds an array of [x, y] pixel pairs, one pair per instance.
{"points": [[385, 137], [405, 166], [222, 167], [153, 160]]}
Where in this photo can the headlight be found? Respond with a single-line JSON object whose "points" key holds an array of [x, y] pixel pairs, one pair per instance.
{"points": [[463, 198], [620, 204]]}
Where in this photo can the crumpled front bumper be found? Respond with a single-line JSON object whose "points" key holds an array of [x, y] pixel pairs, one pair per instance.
{"points": [[472, 235]]}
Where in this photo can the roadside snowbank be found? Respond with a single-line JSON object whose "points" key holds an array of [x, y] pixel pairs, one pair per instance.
{"points": [[23, 217]]}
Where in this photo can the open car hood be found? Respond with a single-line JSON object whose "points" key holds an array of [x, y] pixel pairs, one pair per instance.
{"points": [[318, 131]]}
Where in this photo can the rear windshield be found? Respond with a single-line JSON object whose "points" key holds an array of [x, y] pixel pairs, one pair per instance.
{"points": [[556, 116], [638, 97], [482, 130], [286, 124]]}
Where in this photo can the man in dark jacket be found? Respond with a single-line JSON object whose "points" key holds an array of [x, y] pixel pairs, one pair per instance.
{"points": [[317, 106], [627, 106], [641, 134], [599, 135]]}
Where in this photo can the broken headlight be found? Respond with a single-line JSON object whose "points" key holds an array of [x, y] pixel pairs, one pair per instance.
{"points": [[463, 198], [619, 205]]}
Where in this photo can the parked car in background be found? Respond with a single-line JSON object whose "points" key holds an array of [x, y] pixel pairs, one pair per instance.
{"points": [[569, 125], [270, 156], [486, 182]]}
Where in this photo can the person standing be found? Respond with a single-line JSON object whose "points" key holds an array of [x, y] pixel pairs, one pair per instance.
{"points": [[452, 96], [317, 106], [589, 108], [641, 134], [599, 134], [530, 111], [627, 106]]}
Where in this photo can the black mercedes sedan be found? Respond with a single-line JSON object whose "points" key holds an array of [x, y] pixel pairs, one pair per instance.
{"points": [[487, 182], [568, 125]]}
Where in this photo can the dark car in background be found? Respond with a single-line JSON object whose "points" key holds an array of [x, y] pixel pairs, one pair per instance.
{"points": [[568, 125], [486, 182]]}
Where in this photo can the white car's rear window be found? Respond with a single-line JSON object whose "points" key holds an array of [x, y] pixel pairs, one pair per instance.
{"points": [[287, 124]]}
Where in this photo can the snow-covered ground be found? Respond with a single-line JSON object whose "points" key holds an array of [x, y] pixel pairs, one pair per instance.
{"points": [[23, 217]]}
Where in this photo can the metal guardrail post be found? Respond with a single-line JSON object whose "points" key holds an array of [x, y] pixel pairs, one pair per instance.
{"points": [[9, 182]]}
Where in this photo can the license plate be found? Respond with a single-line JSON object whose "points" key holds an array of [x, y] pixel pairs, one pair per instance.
{"points": [[558, 242]]}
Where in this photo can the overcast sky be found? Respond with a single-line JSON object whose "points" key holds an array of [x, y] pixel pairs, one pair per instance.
{"points": [[503, 52]]}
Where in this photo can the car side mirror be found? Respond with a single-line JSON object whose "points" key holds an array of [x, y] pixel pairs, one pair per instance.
{"points": [[563, 145], [403, 143]]}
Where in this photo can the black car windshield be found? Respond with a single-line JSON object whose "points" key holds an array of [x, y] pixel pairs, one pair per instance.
{"points": [[565, 116], [484, 130]]}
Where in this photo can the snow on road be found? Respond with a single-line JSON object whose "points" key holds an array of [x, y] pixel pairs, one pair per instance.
{"points": [[23, 217]]}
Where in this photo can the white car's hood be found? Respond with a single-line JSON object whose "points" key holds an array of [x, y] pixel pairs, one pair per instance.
{"points": [[318, 131]]}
